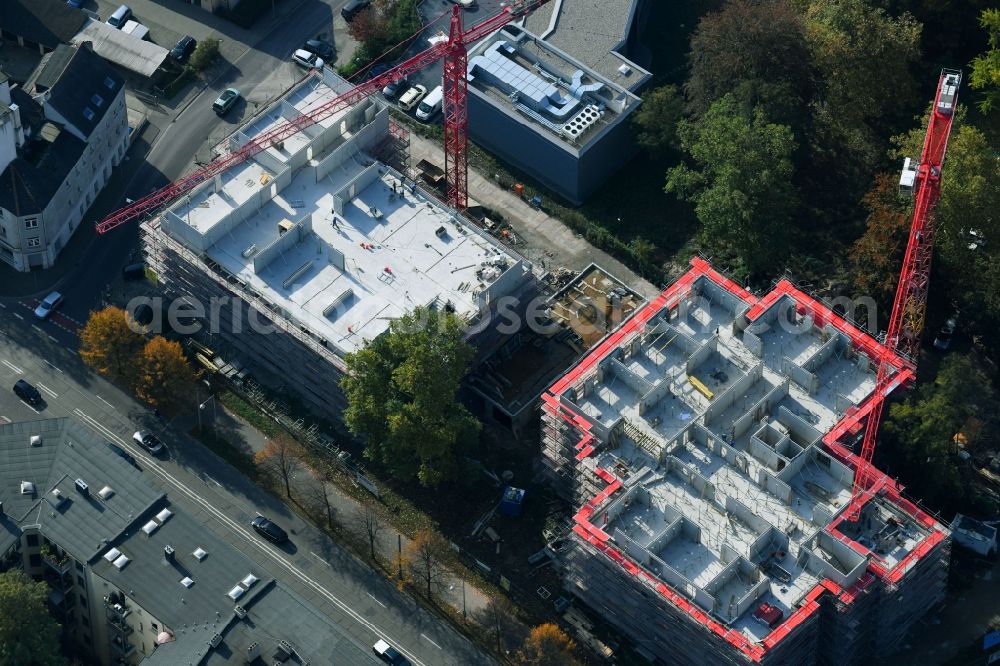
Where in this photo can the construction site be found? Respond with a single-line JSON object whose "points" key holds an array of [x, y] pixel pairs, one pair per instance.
{"points": [[695, 441]]}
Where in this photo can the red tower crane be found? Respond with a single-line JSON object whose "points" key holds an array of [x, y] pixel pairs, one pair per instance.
{"points": [[906, 322], [453, 52]]}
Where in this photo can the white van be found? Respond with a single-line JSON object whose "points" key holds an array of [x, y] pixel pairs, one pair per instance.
{"points": [[121, 15], [430, 105]]}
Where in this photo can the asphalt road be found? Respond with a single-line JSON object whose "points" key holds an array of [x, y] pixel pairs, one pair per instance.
{"points": [[361, 601]]}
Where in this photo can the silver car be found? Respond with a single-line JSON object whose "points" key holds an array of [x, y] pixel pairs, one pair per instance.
{"points": [[51, 302], [148, 441]]}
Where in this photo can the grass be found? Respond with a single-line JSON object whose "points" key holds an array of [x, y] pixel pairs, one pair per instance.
{"points": [[249, 413]]}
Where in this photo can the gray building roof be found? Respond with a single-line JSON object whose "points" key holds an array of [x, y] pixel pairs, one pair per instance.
{"points": [[45, 22], [68, 451], [80, 83], [595, 32]]}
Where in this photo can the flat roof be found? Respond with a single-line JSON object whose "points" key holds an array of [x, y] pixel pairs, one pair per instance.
{"points": [[593, 32], [706, 415], [546, 87], [340, 243]]}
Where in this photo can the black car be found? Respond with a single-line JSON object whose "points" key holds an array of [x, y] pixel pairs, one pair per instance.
{"points": [[27, 392], [183, 48], [321, 48], [267, 529], [352, 8], [122, 453]]}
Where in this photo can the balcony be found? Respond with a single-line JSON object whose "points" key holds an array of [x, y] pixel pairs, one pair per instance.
{"points": [[61, 564], [116, 608], [121, 647]]}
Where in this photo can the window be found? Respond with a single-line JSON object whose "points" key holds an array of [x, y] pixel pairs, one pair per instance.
{"points": [[82, 581], [154, 626], [97, 100], [32, 540], [31, 223], [35, 560], [79, 566], [3, 232], [34, 242], [109, 83], [88, 113]]}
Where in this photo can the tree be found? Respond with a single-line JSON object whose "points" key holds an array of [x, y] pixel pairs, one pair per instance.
{"points": [[371, 521], [110, 343], [281, 457], [425, 556], [166, 379], [986, 67], [28, 635], [204, 54], [758, 49], [401, 397], [877, 256], [321, 497], [657, 118], [547, 645], [498, 619], [740, 183]]}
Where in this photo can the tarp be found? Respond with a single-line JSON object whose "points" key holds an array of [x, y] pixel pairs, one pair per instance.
{"points": [[121, 48]]}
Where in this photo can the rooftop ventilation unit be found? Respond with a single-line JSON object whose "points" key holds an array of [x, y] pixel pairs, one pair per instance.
{"points": [[121, 562], [187, 582], [200, 553], [285, 650], [112, 554], [57, 497], [624, 69], [582, 121], [253, 651], [215, 640], [106, 492], [36, 440], [168, 553], [250, 251], [237, 592], [150, 527], [82, 487], [163, 515], [240, 612], [27, 488]]}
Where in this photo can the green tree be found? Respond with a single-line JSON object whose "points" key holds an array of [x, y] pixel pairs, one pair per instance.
{"points": [[28, 634], [204, 54], [401, 390], [919, 433], [110, 343], [986, 67], [657, 119], [740, 182], [166, 379], [877, 256], [755, 47]]}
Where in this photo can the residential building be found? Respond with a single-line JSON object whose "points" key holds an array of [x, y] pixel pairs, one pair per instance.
{"points": [[312, 247], [708, 444], [39, 24], [61, 134], [548, 114], [133, 577]]}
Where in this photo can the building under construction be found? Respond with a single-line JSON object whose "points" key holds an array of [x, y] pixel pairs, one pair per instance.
{"points": [[705, 444]]}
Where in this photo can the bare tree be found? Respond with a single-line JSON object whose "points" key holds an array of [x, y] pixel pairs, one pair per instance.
{"points": [[371, 522], [426, 555], [321, 497], [497, 618], [282, 456]]}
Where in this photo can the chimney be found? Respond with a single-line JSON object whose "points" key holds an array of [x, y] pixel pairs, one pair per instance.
{"points": [[82, 487], [168, 553], [253, 652], [1, 510]]}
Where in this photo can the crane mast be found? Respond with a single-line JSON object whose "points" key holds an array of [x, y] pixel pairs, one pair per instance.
{"points": [[454, 54], [906, 322]]}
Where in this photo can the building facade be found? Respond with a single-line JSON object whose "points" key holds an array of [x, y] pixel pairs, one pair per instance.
{"points": [[61, 135]]}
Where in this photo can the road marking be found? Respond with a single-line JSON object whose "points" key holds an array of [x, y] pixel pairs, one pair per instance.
{"points": [[105, 401], [267, 549], [19, 316], [319, 558], [376, 600], [51, 366], [213, 480], [13, 367], [37, 328], [3, 306], [47, 390], [52, 339], [430, 641]]}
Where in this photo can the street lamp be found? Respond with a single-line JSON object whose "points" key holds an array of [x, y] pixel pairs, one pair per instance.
{"points": [[201, 406]]}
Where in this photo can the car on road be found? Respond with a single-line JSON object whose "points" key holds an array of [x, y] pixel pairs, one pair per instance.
{"points": [[123, 454], [27, 392], [51, 302], [352, 8], [322, 48], [269, 530], [389, 654], [183, 48], [395, 87], [304, 58], [412, 97], [148, 441], [226, 101]]}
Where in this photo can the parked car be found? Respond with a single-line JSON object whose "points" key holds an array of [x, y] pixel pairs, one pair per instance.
{"points": [[183, 48], [304, 58], [412, 97], [75, 4], [119, 17], [377, 70], [431, 104], [122, 453], [51, 302], [395, 87], [226, 101], [352, 8], [133, 272], [942, 341], [322, 48], [148, 441], [269, 530], [27, 392], [389, 654]]}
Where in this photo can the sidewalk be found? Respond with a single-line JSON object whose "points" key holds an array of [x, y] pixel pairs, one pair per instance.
{"points": [[248, 440], [550, 243]]}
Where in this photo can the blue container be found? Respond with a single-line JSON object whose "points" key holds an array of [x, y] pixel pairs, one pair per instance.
{"points": [[512, 502]]}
